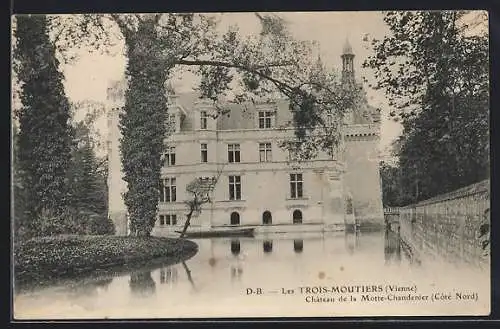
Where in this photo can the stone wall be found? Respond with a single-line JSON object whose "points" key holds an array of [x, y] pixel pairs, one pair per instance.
{"points": [[448, 225]]}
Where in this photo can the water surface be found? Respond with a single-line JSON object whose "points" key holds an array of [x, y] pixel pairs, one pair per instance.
{"points": [[217, 282]]}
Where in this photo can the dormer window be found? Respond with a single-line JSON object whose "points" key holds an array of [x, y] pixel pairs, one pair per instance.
{"points": [[205, 114], [203, 120], [265, 119]]}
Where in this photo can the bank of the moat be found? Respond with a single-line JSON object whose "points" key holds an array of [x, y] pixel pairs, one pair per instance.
{"points": [[45, 259], [215, 281]]}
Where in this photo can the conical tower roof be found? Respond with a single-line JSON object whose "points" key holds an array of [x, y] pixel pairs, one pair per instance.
{"points": [[347, 49]]}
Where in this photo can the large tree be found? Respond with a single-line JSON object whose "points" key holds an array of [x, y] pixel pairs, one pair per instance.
{"points": [[87, 177], [44, 138], [433, 67], [142, 124], [263, 66]]}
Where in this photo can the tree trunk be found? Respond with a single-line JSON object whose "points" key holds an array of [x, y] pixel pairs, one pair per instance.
{"points": [[186, 224], [188, 273]]}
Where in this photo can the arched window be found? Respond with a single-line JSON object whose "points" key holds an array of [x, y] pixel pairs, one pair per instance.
{"points": [[235, 218], [267, 246], [267, 218], [297, 217], [298, 245], [235, 247]]}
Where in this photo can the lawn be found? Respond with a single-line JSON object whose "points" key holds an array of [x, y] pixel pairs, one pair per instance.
{"points": [[42, 259]]}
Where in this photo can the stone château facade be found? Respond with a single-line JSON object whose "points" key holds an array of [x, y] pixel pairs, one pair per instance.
{"points": [[260, 185]]}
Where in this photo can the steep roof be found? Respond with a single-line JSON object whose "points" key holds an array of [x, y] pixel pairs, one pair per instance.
{"points": [[347, 49]]}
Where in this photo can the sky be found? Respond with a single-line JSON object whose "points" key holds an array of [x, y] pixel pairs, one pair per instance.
{"points": [[89, 77]]}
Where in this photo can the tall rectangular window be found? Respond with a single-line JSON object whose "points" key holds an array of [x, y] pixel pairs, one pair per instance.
{"points": [[168, 190], [204, 153], [265, 152], [265, 119], [204, 119], [234, 187], [168, 219], [296, 186], [169, 156], [171, 219], [233, 153]]}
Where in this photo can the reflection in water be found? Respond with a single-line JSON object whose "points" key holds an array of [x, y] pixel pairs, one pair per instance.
{"points": [[235, 247], [392, 247], [298, 245], [188, 273], [90, 288], [142, 284], [236, 272], [267, 246], [103, 283], [351, 240], [215, 276], [168, 275]]}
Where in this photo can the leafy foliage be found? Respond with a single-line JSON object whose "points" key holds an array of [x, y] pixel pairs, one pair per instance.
{"points": [[51, 257], [59, 188], [87, 178], [391, 187], [394, 193], [485, 233], [45, 134], [88, 31], [17, 188], [50, 223], [101, 225], [435, 75], [142, 123], [252, 68], [275, 65], [87, 184], [268, 64]]}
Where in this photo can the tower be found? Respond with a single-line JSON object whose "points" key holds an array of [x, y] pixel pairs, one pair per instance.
{"points": [[363, 194], [347, 65], [117, 210]]}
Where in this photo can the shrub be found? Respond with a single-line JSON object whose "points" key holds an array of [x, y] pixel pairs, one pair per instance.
{"points": [[50, 223], [101, 225]]}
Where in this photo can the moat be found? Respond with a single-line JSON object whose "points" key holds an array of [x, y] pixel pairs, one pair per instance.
{"points": [[223, 278]]}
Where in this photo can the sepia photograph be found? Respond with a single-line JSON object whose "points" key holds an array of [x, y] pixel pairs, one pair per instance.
{"points": [[250, 165]]}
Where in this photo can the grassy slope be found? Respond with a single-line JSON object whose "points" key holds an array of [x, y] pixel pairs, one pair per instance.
{"points": [[45, 258]]}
